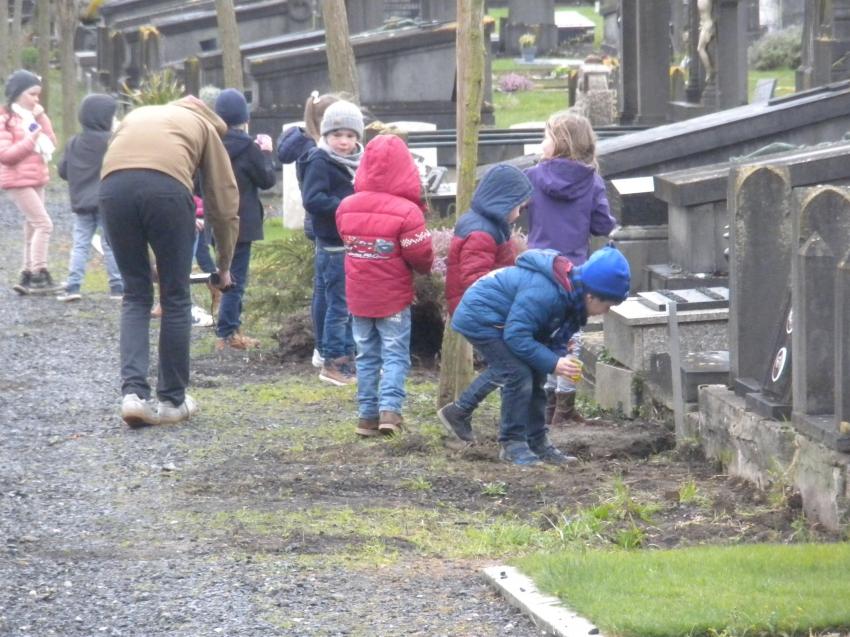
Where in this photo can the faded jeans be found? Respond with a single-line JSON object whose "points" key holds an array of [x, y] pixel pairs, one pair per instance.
{"points": [[383, 345], [523, 398], [141, 208], [336, 330], [85, 226]]}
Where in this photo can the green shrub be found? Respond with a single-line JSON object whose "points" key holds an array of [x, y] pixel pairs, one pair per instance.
{"points": [[780, 49], [160, 87], [281, 277], [29, 58]]}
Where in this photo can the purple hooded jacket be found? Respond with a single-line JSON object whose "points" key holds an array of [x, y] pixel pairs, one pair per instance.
{"points": [[568, 205]]}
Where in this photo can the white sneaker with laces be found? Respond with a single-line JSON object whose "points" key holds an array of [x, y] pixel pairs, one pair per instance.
{"points": [[137, 412], [170, 414], [318, 361]]}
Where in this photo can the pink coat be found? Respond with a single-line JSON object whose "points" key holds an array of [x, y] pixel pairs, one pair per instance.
{"points": [[20, 165]]}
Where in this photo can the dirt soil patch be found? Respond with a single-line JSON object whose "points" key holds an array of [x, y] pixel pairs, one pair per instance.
{"points": [[266, 516]]}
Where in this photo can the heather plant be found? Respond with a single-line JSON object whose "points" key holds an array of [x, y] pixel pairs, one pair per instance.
{"points": [[513, 82]]}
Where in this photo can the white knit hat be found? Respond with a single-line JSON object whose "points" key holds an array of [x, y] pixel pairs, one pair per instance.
{"points": [[345, 115]]}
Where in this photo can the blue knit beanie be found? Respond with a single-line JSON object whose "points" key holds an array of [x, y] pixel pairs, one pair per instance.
{"points": [[606, 275], [20, 81], [230, 105]]}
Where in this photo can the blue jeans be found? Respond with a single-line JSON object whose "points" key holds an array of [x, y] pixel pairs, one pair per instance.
{"points": [[144, 208], [336, 331], [230, 309], [202, 253], [318, 305], [85, 225], [523, 411], [383, 344]]}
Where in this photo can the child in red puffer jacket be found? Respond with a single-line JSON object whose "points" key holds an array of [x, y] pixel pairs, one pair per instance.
{"points": [[383, 228]]}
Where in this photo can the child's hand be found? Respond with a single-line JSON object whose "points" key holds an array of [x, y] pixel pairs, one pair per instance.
{"points": [[264, 142], [37, 110]]}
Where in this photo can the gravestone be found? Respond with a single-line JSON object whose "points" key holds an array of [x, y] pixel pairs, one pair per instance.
{"points": [[764, 90], [633, 202], [822, 232], [759, 266], [530, 17], [594, 97], [645, 61], [842, 341], [826, 43]]}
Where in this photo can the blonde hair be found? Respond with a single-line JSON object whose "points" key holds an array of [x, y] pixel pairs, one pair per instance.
{"points": [[315, 108], [572, 137]]}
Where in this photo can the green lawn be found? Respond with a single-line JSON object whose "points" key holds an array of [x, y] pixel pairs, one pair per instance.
{"points": [[785, 85], [763, 589], [527, 106]]}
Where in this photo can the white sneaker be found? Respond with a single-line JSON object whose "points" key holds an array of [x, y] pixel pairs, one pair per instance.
{"points": [[169, 414], [137, 412], [68, 296], [201, 318], [318, 361]]}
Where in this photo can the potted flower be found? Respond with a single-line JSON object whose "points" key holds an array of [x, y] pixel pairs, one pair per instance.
{"points": [[527, 42]]}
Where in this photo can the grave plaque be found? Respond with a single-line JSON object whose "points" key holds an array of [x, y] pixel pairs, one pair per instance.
{"points": [[686, 299]]}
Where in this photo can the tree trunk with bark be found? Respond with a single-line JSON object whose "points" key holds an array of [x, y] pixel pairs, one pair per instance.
{"points": [[16, 40], [4, 39], [456, 358], [342, 67], [42, 31], [228, 30], [68, 64]]}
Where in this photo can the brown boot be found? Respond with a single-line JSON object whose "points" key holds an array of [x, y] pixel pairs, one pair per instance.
{"points": [[367, 427], [565, 410], [390, 423], [550, 405]]}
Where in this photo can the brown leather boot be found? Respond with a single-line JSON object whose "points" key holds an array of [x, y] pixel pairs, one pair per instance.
{"points": [[390, 423], [565, 410], [367, 427], [550, 405]]}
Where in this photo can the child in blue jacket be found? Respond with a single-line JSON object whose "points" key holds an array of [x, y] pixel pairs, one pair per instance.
{"points": [[511, 316]]}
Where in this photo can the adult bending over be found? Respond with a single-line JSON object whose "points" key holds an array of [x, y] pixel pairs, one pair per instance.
{"points": [[146, 200]]}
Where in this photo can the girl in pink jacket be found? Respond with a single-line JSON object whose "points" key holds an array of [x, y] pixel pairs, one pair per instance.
{"points": [[27, 143]]}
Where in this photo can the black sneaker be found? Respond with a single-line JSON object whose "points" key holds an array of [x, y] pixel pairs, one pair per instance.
{"points": [[456, 421], [42, 283], [518, 452], [69, 294], [550, 454], [23, 286]]}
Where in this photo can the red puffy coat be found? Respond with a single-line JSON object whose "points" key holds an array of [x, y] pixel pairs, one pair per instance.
{"points": [[471, 257], [384, 231], [20, 165]]}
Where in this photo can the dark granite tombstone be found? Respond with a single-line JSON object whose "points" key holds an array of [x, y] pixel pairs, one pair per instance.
{"points": [[633, 202], [645, 61], [536, 17], [826, 43]]}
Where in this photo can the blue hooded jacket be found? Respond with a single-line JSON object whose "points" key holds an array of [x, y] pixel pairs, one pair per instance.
{"points": [[526, 306]]}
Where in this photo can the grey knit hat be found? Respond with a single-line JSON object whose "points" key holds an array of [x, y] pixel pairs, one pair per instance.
{"points": [[345, 115], [20, 81]]}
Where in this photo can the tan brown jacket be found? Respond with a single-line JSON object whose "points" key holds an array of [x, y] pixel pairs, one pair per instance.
{"points": [[177, 139]]}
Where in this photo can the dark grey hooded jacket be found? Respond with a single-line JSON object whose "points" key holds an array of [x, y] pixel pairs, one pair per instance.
{"points": [[81, 162]]}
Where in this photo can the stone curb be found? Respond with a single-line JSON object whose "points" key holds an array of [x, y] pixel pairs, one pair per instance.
{"points": [[545, 611]]}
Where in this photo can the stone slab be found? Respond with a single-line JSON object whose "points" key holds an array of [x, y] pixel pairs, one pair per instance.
{"points": [[823, 429], [641, 245], [709, 298], [673, 277], [633, 202], [617, 389], [633, 332], [757, 449], [547, 612], [766, 406], [697, 369]]}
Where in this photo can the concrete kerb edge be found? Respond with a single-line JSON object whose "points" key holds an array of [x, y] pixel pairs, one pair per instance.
{"points": [[547, 612]]}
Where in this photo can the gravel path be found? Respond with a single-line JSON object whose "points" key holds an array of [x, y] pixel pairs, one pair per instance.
{"points": [[92, 543]]}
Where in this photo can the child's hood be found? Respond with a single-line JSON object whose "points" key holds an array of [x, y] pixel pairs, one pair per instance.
{"points": [[236, 142], [563, 178], [97, 112], [293, 143], [192, 103], [387, 166], [542, 261], [502, 189]]}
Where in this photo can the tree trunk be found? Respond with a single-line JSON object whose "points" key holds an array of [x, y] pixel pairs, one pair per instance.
{"points": [[42, 31], [341, 64], [231, 58], [456, 357], [4, 39], [17, 41], [68, 64]]}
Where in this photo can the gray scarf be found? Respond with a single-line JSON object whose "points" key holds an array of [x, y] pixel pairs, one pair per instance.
{"points": [[349, 162]]}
